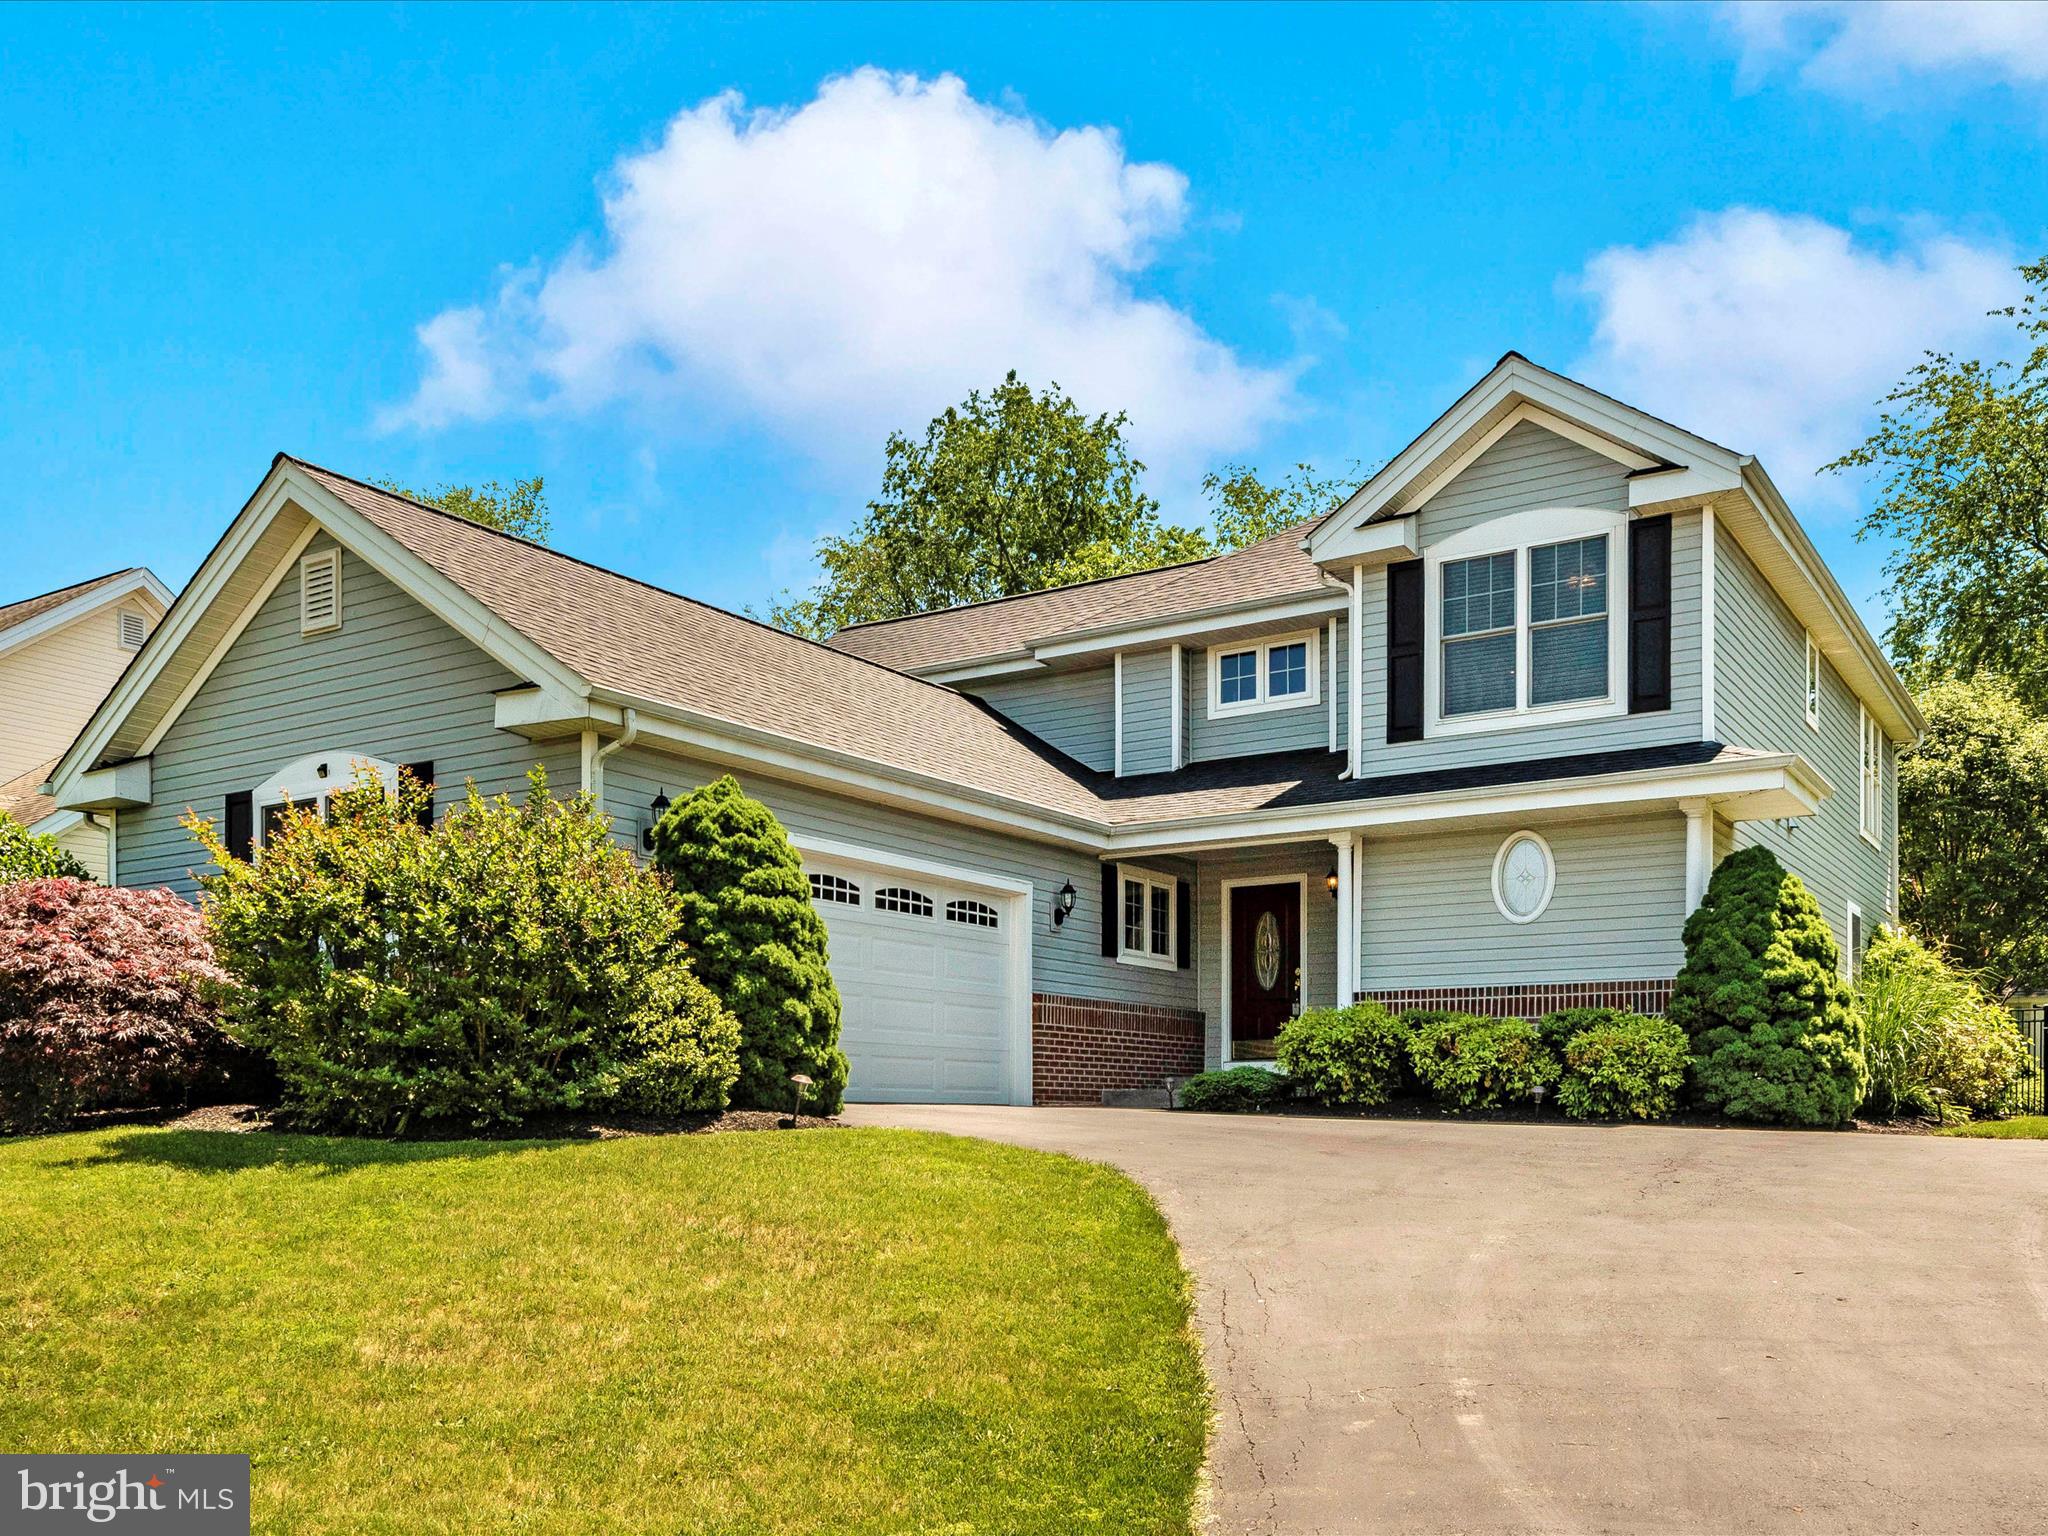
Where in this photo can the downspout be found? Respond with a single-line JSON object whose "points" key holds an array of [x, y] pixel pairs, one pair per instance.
{"points": [[593, 779]]}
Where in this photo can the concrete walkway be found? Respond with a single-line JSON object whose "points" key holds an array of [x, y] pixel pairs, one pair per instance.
{"points": [[1432, 1326]]}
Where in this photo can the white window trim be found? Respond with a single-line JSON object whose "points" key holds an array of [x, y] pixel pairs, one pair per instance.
{"points": [[1811, 683], [1152, 880], [302, 782], [1852, 919], [1517, 535], [1869, 777], [1500, 859], [1311, 695], [330, 558]]}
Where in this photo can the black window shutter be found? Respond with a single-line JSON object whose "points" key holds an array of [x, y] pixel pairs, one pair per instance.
{"points": [[1111, 911], [1184, 925], [1649, 615], [240, 834], [1404, 651], [423, 775]]}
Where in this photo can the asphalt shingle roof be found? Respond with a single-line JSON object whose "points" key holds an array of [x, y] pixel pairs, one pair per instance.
{"points": [[21, 611], [19, 797]]}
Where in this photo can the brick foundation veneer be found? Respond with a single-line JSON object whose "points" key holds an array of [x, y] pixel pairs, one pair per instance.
{"points": [[1534, 1000], [1080, 1046]]}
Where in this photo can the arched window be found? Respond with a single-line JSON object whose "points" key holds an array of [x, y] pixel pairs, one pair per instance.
{"points": [[901, 898], [976, 914]]}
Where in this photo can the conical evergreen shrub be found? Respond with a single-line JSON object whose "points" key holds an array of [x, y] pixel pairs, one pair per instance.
{"points": [[756, 941], [1762, 999]]}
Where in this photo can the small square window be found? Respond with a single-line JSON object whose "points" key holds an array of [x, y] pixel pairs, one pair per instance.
{"points": [[1287, 670], [1239, 680]]}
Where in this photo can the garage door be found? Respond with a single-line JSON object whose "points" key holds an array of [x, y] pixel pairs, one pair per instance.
{"points": [[926, 992]]}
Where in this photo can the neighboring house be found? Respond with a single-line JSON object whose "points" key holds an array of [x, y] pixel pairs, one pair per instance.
{"points": [[59, 654], [1476, 738]]}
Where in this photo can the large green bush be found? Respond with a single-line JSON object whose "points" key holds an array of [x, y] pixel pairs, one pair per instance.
{"points": [[1558, 1028], [1618, 1065], [756, 941], [26, 855], [1355, 1056], [1936, 1044], [510, 961], [1235, 1090], [1762, 1001], [1466, 1061]]}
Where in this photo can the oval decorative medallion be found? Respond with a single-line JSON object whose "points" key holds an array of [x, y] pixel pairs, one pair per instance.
{"points": [[1266, 951]]}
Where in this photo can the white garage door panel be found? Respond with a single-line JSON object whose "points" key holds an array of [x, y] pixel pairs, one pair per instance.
{"points": [[926, 1003]]}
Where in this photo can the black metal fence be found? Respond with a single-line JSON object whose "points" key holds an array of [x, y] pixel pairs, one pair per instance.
{"points": [[2033, 1098]]}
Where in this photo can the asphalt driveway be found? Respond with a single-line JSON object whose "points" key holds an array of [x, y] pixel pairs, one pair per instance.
{"points": [[1424, 1326]]}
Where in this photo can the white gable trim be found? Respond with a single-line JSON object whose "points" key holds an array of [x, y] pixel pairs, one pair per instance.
{"points": [[86, 602], [1436, 478], [289, 485]]}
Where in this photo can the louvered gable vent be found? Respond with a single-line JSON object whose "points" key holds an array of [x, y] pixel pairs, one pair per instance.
{"points": [[134, 629], [320, 592]]}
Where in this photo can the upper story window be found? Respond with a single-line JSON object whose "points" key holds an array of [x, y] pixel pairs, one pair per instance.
{"points": [[1254, 675], [1149, 918], [1870, 778], [1524, 626], [1812, 682], [310, 783]]}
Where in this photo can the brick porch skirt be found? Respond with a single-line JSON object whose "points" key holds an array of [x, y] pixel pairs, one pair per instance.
{"points": [[1534, 1000], [1080, 1046]]}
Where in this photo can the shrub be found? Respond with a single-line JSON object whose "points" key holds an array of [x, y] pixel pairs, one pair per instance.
{"points": [[1773, 1036], [1464, 1061], [507, 962], [1621, 1066], [1936, 1044], [1235, 1090], [25, 855], [757, 942], [102, 999], [1353, 1056], [1558, 1028]]}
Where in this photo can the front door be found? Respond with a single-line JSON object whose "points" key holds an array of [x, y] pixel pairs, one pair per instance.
{"points": [[1265, 966]]}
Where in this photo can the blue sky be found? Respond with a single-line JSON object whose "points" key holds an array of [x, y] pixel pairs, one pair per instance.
{"points": [[693, 263]]}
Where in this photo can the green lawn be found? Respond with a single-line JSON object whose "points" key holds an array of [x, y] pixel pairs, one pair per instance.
{"points": [[842, 1331], [2018, 1128]]}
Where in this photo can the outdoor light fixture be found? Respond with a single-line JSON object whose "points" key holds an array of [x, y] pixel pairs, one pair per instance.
{"points": [[655, 812], [802, 1081], [1330, 882], [1062, 903]]}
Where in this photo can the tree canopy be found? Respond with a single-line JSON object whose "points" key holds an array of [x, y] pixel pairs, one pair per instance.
{"points": [[1960, 455], [520, 509], [1014, 491], [1973, 831]]}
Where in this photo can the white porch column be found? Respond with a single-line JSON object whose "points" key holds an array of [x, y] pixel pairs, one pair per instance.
{"points": [[1347, 915], [1355, 644], [1699, 850]]}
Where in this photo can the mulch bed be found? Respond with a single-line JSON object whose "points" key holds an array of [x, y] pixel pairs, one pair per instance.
{"points": [[241, 1118], [1550, 1114]]}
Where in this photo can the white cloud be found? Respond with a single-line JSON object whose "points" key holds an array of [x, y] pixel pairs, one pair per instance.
{"points": [[1776, 334], [1868, 46], [855, 265]]}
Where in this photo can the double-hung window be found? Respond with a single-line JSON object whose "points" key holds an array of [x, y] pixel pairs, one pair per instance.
{"points": [[1812, 683], [1870, 800], [1148, 918], [1527, 627], [1262, 674]]}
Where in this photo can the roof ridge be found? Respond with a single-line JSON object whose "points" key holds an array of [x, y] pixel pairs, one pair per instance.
{"points": [[71, 586], [1012, 597], [605, 570]]}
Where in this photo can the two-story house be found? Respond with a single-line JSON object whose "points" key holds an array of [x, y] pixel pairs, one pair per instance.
{"points": [[1475, 738], [59, 654]]}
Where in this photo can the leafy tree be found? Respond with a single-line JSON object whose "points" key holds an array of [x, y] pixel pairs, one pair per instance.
{"points": [[509, 961], [26, 855], [1973, 831], [1760, 995], [1003, 493], [1961, 457], [1245, 509], [757, 941], [520, 509]]}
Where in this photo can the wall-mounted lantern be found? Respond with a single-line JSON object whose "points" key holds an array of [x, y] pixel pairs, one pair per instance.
{"points": [[1330, 882], [654, 814], [1063, 904]]}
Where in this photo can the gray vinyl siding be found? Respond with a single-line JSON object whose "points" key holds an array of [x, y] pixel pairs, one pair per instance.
{"points": [[1148, 711], [1319, 936], [1759, 686], [1074, 711], [1067, 959], [1615, 915], [1276, 730], [1531, 468], [393, 682]]}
